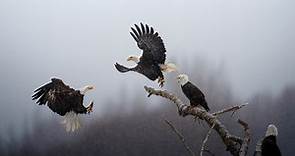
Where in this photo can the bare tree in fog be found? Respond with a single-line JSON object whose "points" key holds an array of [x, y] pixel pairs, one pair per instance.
{"points": [[236, 145], [130, 128]]}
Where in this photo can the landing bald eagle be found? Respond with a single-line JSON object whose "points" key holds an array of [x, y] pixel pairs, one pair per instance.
{"points": [[152, 62], [64, 101], [269, 145], [192, 92]]}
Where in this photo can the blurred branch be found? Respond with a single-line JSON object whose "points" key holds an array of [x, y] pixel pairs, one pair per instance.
{"points": [[181, 138], [231, 109], [205, 141], [246, 140], [232, 145], [209, 152]]}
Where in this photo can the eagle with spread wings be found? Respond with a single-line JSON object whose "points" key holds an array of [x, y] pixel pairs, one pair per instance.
{"points": [[64, 100], [152, 61]]}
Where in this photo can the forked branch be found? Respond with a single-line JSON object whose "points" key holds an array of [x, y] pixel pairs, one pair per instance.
{"points": [[231, 109], [233, 143], [203, 148], [181, 138]]}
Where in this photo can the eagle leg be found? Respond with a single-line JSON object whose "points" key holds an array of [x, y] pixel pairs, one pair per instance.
{"points": [[185, 111], [161, 81], [89, 108]]}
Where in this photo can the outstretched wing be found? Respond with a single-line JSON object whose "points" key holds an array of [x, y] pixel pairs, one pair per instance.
{"points": [[59, 97], [151, 71], [122, 68], [149, 42]]}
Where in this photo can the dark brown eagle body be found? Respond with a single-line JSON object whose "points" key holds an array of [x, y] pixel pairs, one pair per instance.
{"points": [[60, 98], [195, 95], [153, 53], [148, 67], [269, 146]]}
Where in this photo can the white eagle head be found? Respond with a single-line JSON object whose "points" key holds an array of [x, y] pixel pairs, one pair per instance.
{"points": [[271, 130], [86, 89], [182, 79], [133, 58]]}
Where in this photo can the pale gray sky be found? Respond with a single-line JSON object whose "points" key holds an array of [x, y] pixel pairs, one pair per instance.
{"points": [[80, 40]]}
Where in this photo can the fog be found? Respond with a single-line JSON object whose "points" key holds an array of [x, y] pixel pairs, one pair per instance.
{"points": [[79, 41]]}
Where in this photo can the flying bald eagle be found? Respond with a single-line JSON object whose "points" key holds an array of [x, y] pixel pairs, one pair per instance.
{"points": [[152, 62], [192, 92], [269, 145], [64, 101]]}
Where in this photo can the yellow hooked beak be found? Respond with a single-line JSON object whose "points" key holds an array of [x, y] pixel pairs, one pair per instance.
{"points": [[91, 87]]}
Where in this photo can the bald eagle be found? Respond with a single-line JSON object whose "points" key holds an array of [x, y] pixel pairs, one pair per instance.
{"points": [[64, 101], [269, 145], [192, 92], [152, 62]]}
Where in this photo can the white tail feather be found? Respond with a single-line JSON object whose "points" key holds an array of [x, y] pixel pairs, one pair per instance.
{"points": [[71, 121], [168, 67]]}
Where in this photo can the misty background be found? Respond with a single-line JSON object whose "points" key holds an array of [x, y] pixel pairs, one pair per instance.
{"points": [[235, 51]]}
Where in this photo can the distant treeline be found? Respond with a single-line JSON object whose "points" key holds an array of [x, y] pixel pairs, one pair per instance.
{"points": [[143, 132]]}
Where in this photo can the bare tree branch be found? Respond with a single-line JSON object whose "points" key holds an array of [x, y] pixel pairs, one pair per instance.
{"points": [[246, 140], [236, 139], [181, 138], [205, 141], [231, 109], [209, 152], [232, 145]]}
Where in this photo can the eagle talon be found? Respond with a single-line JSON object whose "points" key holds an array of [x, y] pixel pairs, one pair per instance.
{"points": [[150, 94], [184, 112], [161, 82], [89, 108]]}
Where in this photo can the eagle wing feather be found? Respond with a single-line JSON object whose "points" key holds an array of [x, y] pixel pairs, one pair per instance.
{"points": [[149, 42], [59, 97]]}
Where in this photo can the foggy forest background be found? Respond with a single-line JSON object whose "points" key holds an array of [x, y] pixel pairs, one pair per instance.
{"points": [[142, 131], [235, 51]]}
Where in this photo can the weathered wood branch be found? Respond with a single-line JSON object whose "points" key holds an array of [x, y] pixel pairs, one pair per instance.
{"points": [[203, 148], [233, 143], [231, 109], [246, 140], [209, 152], [181, 138]]}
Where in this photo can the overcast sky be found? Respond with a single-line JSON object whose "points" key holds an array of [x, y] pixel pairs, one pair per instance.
{"points": [[80, 40]]}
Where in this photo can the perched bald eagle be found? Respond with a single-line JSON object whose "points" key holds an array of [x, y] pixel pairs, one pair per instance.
{"points": [[269, 145], [152, 62], [64, 101], [192, 92]]}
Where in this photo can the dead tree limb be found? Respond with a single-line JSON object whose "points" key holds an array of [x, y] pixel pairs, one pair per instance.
{"points": [[246, 140], [203, 148], [209, 152], [232, 145], [181, 138], [231, 109]]}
